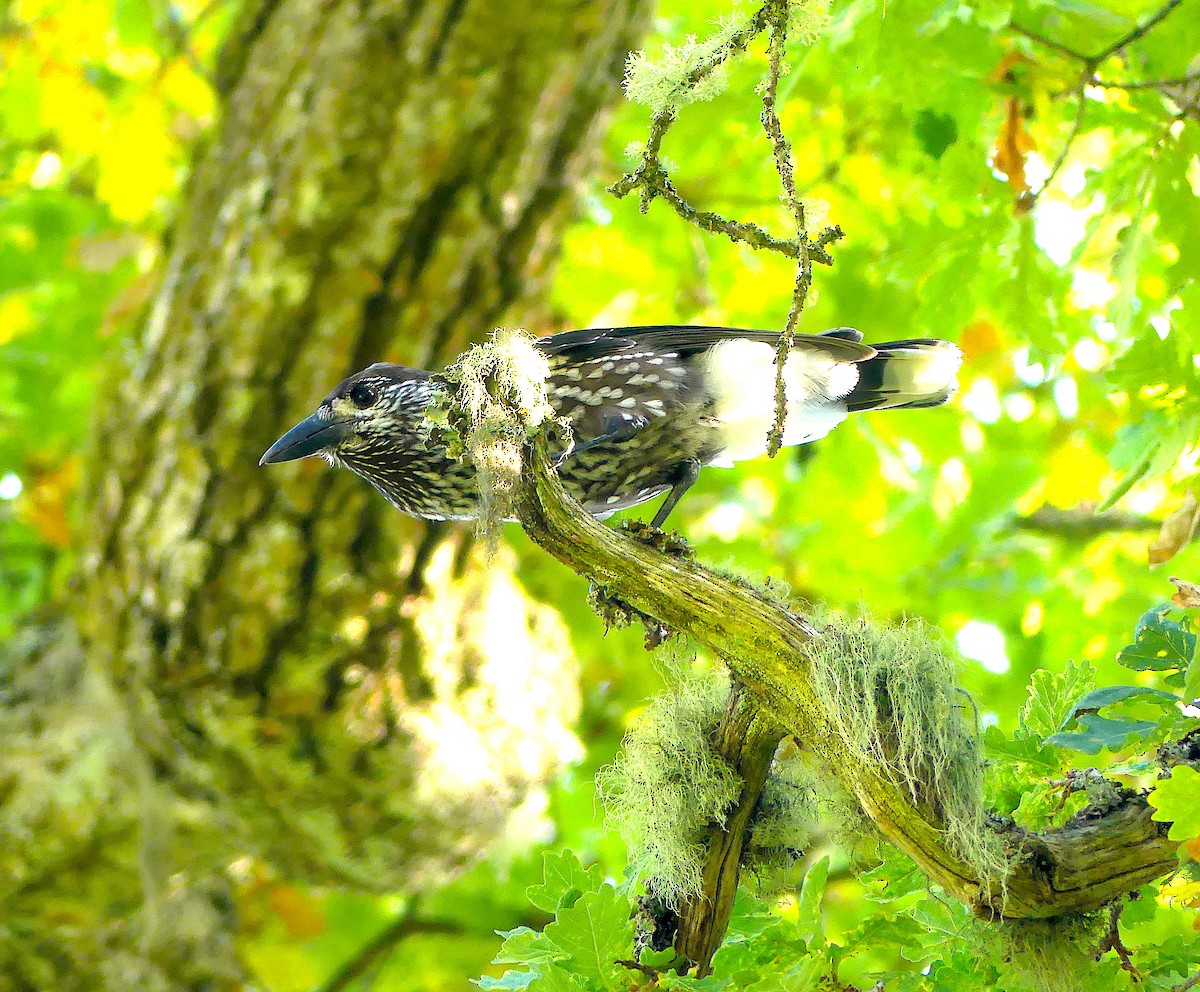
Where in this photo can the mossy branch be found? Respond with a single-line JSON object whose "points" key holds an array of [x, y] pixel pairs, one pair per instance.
{"points": [[1098, 857], [746, 738]]}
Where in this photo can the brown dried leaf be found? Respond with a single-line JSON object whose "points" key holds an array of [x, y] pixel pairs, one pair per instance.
{"points": [[1177, 531], [1013, 144], [45, 502], [1188, 595], [302, 915]]}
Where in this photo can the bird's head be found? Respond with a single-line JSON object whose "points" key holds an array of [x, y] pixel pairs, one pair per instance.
{"points": [[372, 418]]}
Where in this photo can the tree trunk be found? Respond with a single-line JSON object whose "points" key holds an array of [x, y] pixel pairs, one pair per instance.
{"points": [[272, 664]]}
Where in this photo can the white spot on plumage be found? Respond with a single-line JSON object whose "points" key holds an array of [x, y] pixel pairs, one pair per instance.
{"points": [[741, 379], [628, 402], [936, 369]]}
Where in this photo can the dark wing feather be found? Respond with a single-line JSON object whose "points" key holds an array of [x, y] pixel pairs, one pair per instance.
{"points": [[666, 352], [842, 343]]}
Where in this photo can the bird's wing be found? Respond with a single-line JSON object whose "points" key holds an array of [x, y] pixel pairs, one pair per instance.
{"points": [[612, 381], [609, 387], [842, 343]]}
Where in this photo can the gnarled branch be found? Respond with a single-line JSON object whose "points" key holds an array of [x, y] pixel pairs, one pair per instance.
{"points": [[1099, 856]]}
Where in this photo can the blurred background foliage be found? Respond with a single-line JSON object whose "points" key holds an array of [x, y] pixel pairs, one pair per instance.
{"points": [[998, 186]]}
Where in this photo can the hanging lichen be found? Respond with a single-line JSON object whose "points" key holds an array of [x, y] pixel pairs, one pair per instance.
{"points": [[500, 389], [891, 695], [667, 787]]}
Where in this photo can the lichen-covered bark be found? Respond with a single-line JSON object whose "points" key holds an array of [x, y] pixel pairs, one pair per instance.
{"points": [[275, 664], [1098, 857]]}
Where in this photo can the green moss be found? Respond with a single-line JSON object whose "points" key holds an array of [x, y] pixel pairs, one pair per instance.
{"points": [[667, 787], [892, 695]]}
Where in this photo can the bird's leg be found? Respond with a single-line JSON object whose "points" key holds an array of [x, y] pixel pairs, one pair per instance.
{"points": [[688, 473]]}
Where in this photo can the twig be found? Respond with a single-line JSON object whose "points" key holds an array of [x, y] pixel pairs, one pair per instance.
{"points": [[652, 181], [1045, 42], [776, 49], [1112, 941], [1146, 84], [1139, 31], [1087, 76], [378, 949], [1093, 61], [1187, 983], [1080, 109], [1081, 523]]}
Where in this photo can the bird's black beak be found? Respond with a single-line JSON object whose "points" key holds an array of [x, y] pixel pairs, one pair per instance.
{"points": [[307, 438]]}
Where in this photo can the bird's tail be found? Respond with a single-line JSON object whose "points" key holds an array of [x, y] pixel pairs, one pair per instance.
{"points": [[906, 374]]}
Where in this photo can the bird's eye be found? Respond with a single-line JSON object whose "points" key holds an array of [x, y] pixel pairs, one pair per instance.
{"points": [[362, 395]]}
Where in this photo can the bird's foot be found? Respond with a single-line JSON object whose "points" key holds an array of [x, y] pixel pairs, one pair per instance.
{"points": [[670, 543]]}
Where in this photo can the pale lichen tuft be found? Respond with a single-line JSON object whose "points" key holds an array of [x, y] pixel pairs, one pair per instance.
{"points": [[891, 695], [668, 786], [500, 389], [689, 73]]}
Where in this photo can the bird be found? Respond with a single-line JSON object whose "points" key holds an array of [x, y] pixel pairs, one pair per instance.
{"points": [[648, 408]]}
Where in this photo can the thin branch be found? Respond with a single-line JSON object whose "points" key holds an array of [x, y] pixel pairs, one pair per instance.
{"points": [[744, 232], [1087, 76], [1146, 84], [378, 949], [776, 49], [651, 180], [1187, 984], [1082, 523], [1092, 61], [1080, 109], [1047, 42], [1139, 32], [1112, 941]]}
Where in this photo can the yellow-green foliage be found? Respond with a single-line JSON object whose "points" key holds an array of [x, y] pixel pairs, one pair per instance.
{"points": [[892, 695], [501, 388], [667, 786]]}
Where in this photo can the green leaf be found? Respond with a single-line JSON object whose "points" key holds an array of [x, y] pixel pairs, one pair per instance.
{"points": [[594, 933], [1100, 732], [809, 923], [562, 873], [894, 878], [1176, 800], [1099, 698], [750, 920], [1159, 644], [808, 976], [524, 946], [512, 980], [936, 132], [556, 979], [1052, 696], [1020, 747]]}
